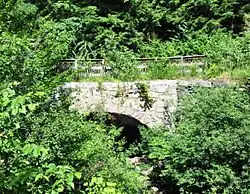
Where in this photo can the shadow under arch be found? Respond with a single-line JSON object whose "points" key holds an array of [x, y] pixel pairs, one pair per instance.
{"points": [[130, 125]]}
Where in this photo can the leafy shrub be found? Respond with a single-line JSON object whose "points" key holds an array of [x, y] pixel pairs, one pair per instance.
{"points": [[209, 151], [123, 66], [50, 149], [225, 53]]}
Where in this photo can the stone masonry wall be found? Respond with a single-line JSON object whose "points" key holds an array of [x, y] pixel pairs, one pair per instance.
{"points": [[124, 98]]}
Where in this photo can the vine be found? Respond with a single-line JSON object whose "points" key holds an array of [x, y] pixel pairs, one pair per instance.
{"points": [[100, 86], [144, 96], [121, 93]]}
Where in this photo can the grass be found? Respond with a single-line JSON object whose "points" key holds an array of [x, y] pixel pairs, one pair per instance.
{"points": [[166, 70]]}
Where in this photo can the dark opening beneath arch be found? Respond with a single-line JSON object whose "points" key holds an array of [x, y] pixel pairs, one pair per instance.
{"points": [[130, 126]]}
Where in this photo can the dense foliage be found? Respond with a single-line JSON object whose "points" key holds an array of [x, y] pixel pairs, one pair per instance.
{"points": [[51, 149], [208, 152], [107, 29], [45, 147]]}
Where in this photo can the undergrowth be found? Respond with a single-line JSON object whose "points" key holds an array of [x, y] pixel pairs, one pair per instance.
{"points": [[227, 58]]}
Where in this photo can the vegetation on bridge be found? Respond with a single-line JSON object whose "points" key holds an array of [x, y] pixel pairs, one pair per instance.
{"points": [[47, 148]]}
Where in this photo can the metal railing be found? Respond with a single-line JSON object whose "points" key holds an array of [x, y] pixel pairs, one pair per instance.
{"points": [[95, 67]]}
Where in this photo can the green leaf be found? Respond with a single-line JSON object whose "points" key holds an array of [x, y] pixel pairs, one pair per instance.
{"points": [[71, 184], [20, 100], [38, 176], [4, 115], [22, 110], [54, 192], [70, 177], [58, 182], [78, 175], [60, 188], [36, 151], [32, 107], [27, 149], [40, 94], [14, 110], [17, 125], [46, 178]]}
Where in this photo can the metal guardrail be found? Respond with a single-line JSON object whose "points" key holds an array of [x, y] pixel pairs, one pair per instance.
{"points": [[100, 66]]}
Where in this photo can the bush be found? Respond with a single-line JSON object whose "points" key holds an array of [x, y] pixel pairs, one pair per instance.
{"points": [[226, 54], [52, 149], [209, 151]]}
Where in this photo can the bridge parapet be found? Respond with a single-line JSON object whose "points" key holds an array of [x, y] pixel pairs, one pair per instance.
{"points": [[151, 102]]}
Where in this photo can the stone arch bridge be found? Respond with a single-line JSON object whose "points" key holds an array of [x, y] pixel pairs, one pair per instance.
{"points": [[151, 103]]}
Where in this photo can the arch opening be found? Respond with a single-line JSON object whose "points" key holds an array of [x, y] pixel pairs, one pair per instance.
{"points": [[130, 125]]}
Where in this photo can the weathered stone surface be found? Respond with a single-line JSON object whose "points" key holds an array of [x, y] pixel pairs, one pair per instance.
{"points": [[124, 98]]}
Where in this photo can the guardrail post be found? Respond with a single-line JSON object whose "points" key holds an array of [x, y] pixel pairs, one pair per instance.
{"points": [[182, 65], [102, 69], [75, 64]]}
